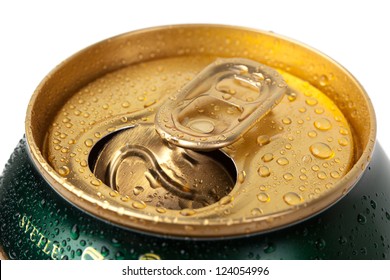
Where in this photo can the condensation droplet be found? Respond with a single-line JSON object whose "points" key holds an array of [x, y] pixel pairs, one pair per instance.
{"points": [[311, 101], [137, 190], [335, 174], [361, 219], [282, 161], [88, 142], [343, 131], [263, 140], [312, 134], [187, 212], [288, 176], [319, 111], [226, 200], [292, 198], [241, 176], [161, 210], [125, 104], [267, 157], [98, 134], [264, 171], [343, 141], [139, 204], [292, 96], [302, 110], [322, 175], [96, 182], [256, 212], [322, 124], [324, 80], [263, 197], [321, 150], [306, 159], [64, 171], [286, 121]]}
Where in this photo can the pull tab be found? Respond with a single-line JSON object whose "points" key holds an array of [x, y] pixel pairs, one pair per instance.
{"points": [[220, 104]]}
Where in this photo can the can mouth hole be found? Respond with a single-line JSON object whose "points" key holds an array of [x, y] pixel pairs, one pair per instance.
{"points": [[139, 165]]}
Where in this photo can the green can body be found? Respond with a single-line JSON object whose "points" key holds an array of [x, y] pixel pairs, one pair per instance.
{"points": [[37, 223]]}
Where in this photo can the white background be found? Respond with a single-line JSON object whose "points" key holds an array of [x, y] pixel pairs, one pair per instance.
{"points": [[37, 35]]}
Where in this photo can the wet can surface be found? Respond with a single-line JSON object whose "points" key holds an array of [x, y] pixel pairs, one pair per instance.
{"points": [[229, 143]]}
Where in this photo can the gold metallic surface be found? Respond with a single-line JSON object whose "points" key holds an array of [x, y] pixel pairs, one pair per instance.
{"points": [[302, 157]]}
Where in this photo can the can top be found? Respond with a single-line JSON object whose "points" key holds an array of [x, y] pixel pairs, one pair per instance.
{"points": [[183, 137]]}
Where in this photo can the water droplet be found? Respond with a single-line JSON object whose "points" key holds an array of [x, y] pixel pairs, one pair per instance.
{"points": [[187, 212], [241, 176], [113, 194], [96, 182], [64, 171], [98, 134], [288, 176], [104, 251], [361, 219], [286, 121], [74, 232], [388, 216], [373, 204], [320, 244], [263, 197], [343, 131], [343, 141], [312, 134], [292, 198], [263, 140], [137, 190], [292, 96], [306, 159], [139, 204], [83, 163], [267, 157], [319, 111], [226, 200], [335, 174], [202, 126], [125, 104], [322, 175], [282, 161], [269, 248], [256, 212], [321, 150], [88, 142], [311, 101], [302, 110], [264, 171], [322, 124], [324, 80], [161, 210], [303, 177], [343, 240]]}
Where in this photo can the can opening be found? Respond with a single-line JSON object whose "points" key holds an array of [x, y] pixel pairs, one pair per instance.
{"points": [[138, 164]]}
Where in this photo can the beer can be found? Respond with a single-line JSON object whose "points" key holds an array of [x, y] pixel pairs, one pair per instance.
{"points": [[230, 143]]}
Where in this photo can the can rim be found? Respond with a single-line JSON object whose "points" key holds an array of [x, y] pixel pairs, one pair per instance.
{"points": [[302, 211]]}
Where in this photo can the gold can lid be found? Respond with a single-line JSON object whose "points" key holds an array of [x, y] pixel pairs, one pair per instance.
{"points": [[225, 131]]}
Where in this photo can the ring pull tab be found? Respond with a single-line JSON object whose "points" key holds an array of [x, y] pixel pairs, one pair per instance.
{"points": [[220, 104]]}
